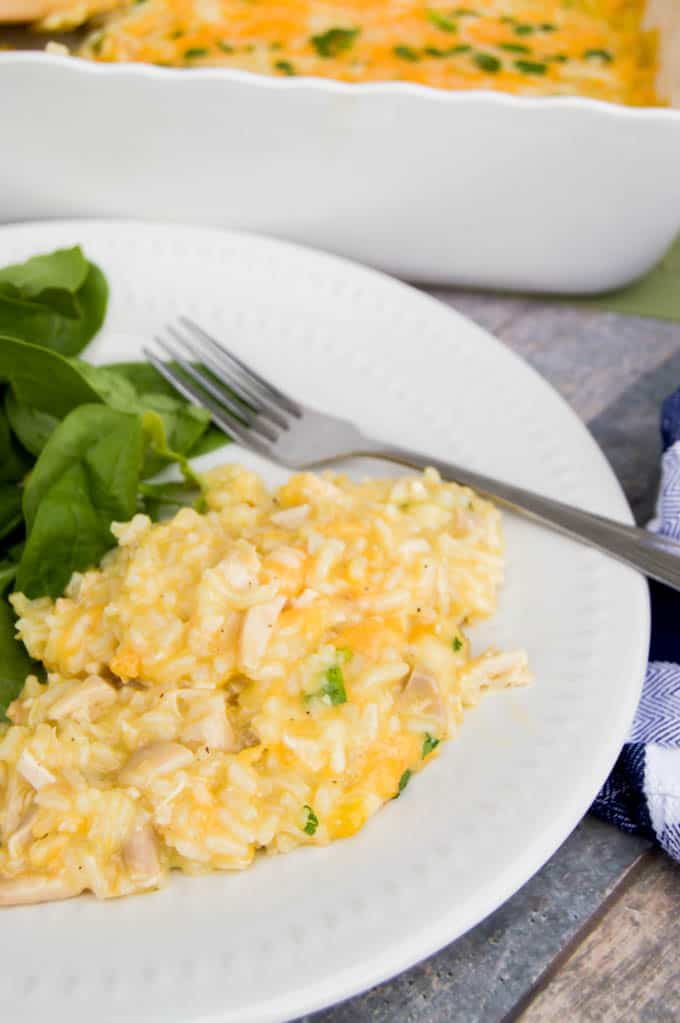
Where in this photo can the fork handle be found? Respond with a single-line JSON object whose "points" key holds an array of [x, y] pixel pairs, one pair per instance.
{"points": [[655, 556]]}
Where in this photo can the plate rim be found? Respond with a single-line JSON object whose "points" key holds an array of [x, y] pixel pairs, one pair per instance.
{"points": [[415, 947]]}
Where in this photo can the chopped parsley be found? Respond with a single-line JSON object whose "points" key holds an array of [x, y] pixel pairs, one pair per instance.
{"points": [[195, 51], [487, 62], [406, 53], [285, 67], [334, 685], [531, 67], [558, 58], [434, 51], [464, 12], [603, 55], [441, 21], [547, 26], [523, 30], [335, 41], [514, 47], [312, 822], [225, 47], [344, 654], [457, 644], [403, 782], [428, 744]]}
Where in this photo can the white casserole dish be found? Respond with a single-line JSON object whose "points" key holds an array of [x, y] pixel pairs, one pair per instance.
{"points": [[476, 188]]}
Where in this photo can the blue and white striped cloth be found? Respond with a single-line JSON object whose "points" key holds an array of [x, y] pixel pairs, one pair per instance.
{"points": [[642, 794]]}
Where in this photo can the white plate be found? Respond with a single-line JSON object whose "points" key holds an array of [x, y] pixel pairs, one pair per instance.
{"points": [[298, 932], [560, 194]]}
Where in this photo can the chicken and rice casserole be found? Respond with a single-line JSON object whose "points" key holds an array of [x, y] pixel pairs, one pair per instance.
{"points": [[259, 677]]}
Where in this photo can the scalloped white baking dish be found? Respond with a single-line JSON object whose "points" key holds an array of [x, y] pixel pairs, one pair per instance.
{"points": [[477, 188]]}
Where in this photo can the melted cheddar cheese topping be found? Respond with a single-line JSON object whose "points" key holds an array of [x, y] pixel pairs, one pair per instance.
{"points": [[595, 48]]}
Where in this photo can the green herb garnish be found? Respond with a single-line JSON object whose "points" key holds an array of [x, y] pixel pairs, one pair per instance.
{"points": [[487, 62], [524, 30], [514, 47], [312, 821], [194, 52], [225, 47], [334, 685], [433, 51], [457, 644], [441, 21], [547, 26], [335, 41], [285, 67], [406, 53], [603, 55], [403, 782], [429, 743], [531, 67]]}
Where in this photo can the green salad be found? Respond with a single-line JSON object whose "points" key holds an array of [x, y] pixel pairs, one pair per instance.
{"points": [[80, 445]]}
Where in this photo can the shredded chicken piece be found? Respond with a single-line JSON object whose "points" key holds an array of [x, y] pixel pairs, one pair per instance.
{"points": [[31, 888], [424, 695], [213, 729], [256, 630], [21, 835], [140, 854], [84, 701], [291, 518], [33, 771], [149, 762], [496, 670]]}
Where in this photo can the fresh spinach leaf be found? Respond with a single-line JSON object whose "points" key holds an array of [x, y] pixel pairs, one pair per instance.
{"points": [[147, 381], [159, 500], [84, 430], [212, 439], [8, 570], [14, 462], [184, 424], [86, 477], [143, 377], [64, 270], [30, 425], [56, 301], [42, 378], [10, 508], [15, 664], [113, 389], [154, 429]]}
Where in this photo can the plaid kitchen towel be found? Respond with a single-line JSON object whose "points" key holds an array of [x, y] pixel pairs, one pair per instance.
{"points": [[642, 794]]}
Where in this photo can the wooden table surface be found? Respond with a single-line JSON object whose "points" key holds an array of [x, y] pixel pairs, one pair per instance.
{"points": [[594, 935]]}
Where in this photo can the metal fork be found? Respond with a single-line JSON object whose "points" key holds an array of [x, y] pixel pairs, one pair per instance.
{"points": [[262, 418]]}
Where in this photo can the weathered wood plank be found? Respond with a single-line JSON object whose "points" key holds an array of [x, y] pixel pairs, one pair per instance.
{"points": [[628, 966]]}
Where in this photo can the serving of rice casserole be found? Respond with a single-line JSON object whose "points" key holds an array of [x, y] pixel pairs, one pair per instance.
{"points": [[259, 677]]}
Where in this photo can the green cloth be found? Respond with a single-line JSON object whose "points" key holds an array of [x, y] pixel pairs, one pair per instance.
{"points": [[656, 295]]}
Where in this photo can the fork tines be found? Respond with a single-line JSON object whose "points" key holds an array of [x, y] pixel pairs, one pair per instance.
{"points": [[239, 400]]}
